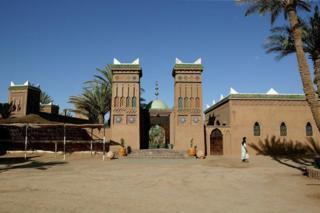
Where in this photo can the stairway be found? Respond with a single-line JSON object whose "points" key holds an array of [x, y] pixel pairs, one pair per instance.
{"points": [[157, 154]]}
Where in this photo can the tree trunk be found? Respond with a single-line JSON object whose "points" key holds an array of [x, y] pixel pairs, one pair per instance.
{"points": [[316, 64], [304, 70], [101, 119]]}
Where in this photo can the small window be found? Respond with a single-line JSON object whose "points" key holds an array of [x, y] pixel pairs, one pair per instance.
{"points": [[256, 129], [211, 119], [197, 102], [283, 129], [122, 102], [127, 102], [116, 102], [192, 103], [186, 103], [309, 131], [218, 123], [180, 104], [134, 102]]}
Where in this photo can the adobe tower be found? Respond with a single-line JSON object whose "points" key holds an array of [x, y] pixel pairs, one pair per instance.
{"points": [[25, 97], [188, 119], [125, 109]]}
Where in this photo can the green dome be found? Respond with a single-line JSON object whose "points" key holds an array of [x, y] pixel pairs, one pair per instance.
{"points": [[158, 105]]}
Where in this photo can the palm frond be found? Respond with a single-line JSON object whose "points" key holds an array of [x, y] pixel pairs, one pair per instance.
{"points": [[45, 98]]}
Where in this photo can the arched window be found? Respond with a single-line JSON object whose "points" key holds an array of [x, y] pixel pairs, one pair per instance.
{"points": [[309, 131], [283, 129], [197, 102], [218, 123], [180, 104], [127, 102], [192, 103], [116, 102], [134, 102], [122, 102], [256, 129], [186, 103]]}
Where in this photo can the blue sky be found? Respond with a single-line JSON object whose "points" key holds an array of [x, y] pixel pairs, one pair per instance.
{"points": [[58, 44]]}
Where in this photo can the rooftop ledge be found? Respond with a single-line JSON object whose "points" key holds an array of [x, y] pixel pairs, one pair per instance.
{"points": [[258, 96]]}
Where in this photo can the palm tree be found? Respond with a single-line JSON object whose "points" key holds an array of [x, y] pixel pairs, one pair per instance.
{"points": [[105, 78], [289, 8], [6, 109], [45, 98], [281, 41], [94, 102]]}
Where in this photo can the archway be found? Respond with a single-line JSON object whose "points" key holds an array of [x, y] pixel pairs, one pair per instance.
{"points": [[157, 137], [216, 142]]}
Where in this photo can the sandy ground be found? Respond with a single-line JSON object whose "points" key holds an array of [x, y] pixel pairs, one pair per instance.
{"points": [[88, 184]]}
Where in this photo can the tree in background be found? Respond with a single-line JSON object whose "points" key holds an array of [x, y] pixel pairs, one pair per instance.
{"points": [[95, 100], [45, 98], [281, 41], [6, 109], [290, 8], [157, 137]]}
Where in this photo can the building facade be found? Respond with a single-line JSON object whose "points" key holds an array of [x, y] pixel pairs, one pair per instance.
{"points": [[258, 117], [182, 125], [217, 131]]}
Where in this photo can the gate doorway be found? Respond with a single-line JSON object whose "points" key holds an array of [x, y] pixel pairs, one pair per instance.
{"points": [[157, 137], [216, 142]]}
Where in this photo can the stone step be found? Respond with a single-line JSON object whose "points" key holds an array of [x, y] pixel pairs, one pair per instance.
{"points": [[157, 153]]}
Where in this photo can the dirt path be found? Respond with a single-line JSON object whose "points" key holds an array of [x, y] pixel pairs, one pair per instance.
{"points": [[84, 184]]}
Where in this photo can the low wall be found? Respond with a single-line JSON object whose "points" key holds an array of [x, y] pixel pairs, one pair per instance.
{"points": [[313, 172], [51, 139]]}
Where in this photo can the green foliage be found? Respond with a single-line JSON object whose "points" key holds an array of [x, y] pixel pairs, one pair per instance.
{"points": [[6, 109], [156, 137], [95, 100], [45, 98], [275, 7], [281, 40]]}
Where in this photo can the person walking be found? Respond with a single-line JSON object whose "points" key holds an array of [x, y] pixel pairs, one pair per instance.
{"points": [[244, 150]]}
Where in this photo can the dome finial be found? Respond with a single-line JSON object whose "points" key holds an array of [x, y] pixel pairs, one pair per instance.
{"points": [[157, 90]]}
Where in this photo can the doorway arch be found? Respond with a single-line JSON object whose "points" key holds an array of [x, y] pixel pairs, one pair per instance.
{"points": [[216, 142]]}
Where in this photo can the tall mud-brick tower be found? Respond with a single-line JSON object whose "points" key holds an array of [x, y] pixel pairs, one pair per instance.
{"points": [[188, 119], [125, 110]]}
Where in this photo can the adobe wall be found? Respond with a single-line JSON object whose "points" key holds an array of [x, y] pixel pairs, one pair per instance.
{"points": [[222, 114], [270, 114], [187, 131]]}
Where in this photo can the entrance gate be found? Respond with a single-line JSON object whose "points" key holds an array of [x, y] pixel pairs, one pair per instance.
{"points": [[216, 142]]}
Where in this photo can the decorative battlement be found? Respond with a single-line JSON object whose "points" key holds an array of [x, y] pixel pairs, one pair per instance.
{"points": [[25, 97], [25, 85], [187, 68], [125, 68]]}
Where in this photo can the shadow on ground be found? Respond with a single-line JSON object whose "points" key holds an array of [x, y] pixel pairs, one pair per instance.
{"points": [[293, 154], [10, 163]]}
